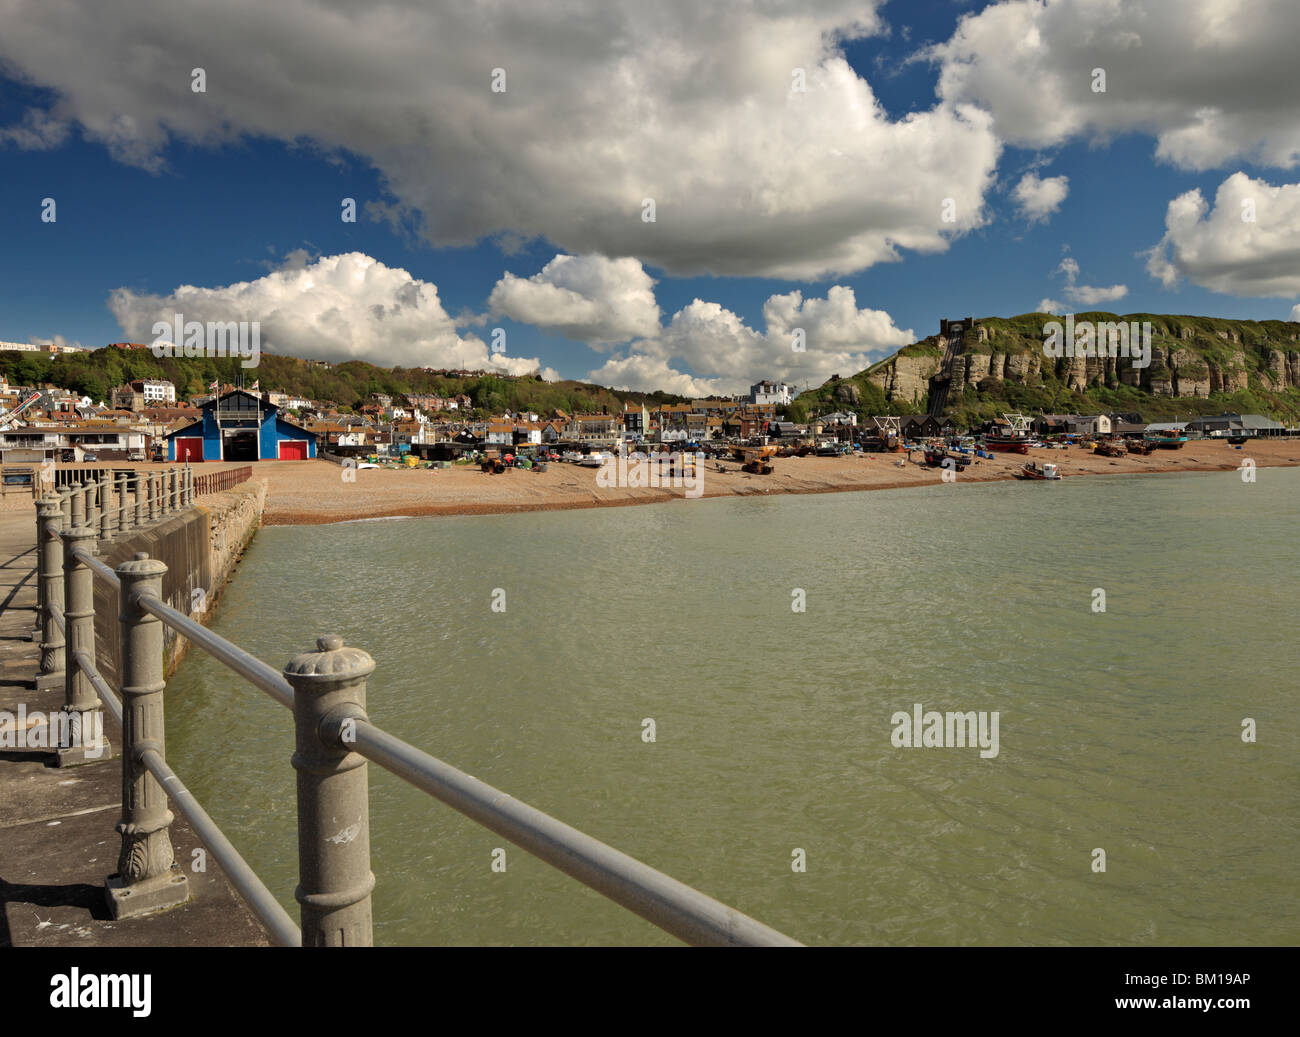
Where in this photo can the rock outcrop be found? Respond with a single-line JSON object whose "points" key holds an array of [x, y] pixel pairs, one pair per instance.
{"points": [[906, 377]]}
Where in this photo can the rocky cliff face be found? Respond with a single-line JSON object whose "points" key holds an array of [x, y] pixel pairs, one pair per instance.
{"points": [[906, 377], [1190, 358]]}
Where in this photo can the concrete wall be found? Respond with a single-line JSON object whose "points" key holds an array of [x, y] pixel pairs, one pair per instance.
{"points": [[201, 547]]}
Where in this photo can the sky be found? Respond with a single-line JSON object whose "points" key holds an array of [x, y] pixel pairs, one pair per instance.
{"points": [[669, 195]]}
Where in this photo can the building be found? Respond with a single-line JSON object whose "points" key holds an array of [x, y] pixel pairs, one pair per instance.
{"points": [[1073, 424], [636, 420], [143, 393], [920, 426], [126, 397], [1253, 426], [157, 391], [775, 393], [593, 429], [240, 426], [1089, 425]]}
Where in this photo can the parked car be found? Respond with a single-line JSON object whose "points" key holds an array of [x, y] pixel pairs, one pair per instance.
{"points": [[90, 457]]}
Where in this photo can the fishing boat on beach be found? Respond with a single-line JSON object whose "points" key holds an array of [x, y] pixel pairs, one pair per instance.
{"points": [[938, 457], [1166, 439], [1034, 470], [1009, 436]]}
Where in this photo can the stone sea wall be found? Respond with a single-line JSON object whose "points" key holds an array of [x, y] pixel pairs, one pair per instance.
{"points": [[201, 547]]}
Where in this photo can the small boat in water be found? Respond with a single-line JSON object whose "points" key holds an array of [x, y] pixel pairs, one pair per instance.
{"points": [[1034, 470]]}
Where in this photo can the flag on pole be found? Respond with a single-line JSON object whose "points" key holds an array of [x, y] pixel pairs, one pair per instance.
{"points": [[256, 383], [213, 386]]}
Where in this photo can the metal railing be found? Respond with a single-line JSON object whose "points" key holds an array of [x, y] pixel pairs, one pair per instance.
{"points": [[333, 739], [216, 482]]}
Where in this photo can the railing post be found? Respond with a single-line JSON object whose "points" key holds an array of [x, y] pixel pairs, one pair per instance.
{"points": [[40, 584], [334, 877], [105, 514], [140, 492], [81, 705], [153, 496], [123, 511], [177, 503], [49, 558], [65, 505], [78, 516], [148, 877]]}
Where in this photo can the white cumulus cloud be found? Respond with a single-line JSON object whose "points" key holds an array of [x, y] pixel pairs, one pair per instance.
{"points": [[1085, 295], [592, 299], [1036, 199], [727, 355], [1211, 80], [343, 307], [763, 150], [1247, 243]]}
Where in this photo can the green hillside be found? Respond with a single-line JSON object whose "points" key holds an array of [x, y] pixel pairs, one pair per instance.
{"points": [[349, 385]]}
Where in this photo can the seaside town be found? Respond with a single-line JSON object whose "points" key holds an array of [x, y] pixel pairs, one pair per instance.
{"points": [[147, 421]]}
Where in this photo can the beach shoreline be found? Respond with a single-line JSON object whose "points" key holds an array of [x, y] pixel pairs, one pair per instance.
{"points": [[319, 492]]}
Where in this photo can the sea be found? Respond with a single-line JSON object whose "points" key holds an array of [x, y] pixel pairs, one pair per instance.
{"points": [[718, 687]]}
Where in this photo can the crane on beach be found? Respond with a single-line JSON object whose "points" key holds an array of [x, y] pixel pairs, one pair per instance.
{"points": [[7, 419]]}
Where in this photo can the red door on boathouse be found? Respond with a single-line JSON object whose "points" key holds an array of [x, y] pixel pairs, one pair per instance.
{"points": [[293, 450], [189, 448]]}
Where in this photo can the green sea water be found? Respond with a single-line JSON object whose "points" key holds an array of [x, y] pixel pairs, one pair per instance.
{"points": [[1119, 730]]}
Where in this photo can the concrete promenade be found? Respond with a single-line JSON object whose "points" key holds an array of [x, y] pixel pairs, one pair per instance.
{"points": [[57, 836]]}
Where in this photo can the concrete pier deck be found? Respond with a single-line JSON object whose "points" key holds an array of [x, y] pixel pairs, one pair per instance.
{"points": [[57, 836]]}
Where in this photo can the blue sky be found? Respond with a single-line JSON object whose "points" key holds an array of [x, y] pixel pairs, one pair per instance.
{"points": [[214, 207]]}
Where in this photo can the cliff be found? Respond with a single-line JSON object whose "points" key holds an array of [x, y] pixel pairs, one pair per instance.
{"points": [[1197, 365]]}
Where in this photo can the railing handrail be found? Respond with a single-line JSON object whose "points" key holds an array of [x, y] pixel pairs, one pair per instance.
{"points": [[101, 570], [334, 738], [247, 665], [672, 905], [260, 899], [216, 482]]}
